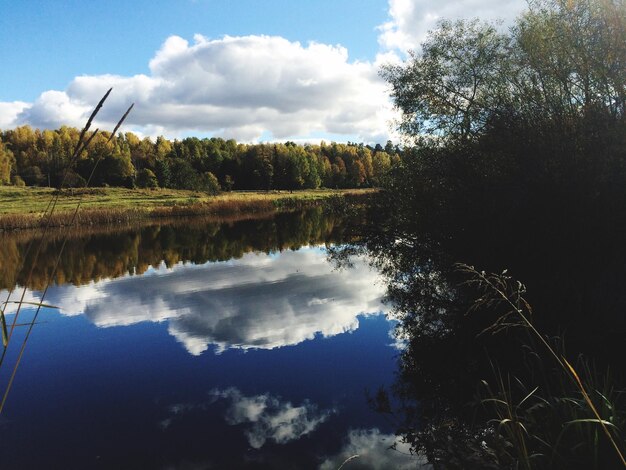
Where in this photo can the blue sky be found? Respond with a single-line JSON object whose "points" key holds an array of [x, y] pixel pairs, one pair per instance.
{"points": [[248, 69], [47, 43]]}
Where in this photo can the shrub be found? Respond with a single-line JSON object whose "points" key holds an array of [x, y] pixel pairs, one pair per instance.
{"points": [[17, 181], [146, 179], [210, 183]]}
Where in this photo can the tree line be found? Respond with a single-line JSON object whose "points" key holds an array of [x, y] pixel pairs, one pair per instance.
{"points": [[36, 157]]}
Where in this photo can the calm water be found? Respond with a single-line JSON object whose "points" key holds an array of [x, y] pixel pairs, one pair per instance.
{"points": [[199, 346]]}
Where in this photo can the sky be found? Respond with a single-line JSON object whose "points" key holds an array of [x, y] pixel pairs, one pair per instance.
{"points": [[252, 70]]}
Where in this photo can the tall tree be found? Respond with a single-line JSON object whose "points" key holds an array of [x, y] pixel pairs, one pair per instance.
{"points": [[6, 164], [450, 87]]}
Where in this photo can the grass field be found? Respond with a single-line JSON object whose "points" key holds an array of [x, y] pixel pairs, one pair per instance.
{"points": [[23, 207]]}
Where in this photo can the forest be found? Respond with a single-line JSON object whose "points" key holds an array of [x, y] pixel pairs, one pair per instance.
{"points": [[36, 157]]}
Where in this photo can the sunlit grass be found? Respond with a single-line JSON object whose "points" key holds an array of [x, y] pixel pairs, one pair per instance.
{"points": [[22, 207]]}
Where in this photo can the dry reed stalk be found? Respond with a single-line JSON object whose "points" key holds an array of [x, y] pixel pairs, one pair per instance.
{"points": [[47, 214]]}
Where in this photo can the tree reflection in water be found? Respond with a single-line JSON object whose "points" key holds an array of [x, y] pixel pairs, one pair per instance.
{"points": [[92, 254], [575, 294]]}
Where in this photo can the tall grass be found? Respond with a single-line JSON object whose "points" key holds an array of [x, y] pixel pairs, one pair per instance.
{"points": [[571, 414]]}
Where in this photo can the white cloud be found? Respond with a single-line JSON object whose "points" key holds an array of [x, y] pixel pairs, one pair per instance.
{"points": [[270, 419], [410, 20], [72, 301], [246, 87], [369, 449], [256, 302], [241, 87], [264, 417], [53, 109], [12, 301], [9, 112]]}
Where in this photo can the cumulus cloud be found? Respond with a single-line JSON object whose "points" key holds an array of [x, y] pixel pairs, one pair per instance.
{"points": [[252, 87], [73, 301], [410, 20], [9, 112], [50, 107], [14, 298], [370, 450], [270, 419], [256, 302], [242, 87], [264, 417]]}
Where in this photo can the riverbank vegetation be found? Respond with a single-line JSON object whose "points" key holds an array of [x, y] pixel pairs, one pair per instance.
{"points": [[21, 207], [525, 125], [517, 160]]}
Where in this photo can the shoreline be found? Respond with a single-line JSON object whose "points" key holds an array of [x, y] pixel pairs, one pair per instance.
{"points": [[22, 208]]}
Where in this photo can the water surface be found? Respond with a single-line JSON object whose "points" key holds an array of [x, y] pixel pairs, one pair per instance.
{"points": [[199, 346]]}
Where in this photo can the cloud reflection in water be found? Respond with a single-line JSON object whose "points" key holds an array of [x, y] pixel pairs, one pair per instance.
{"points": [[270, 419], [370, 449], [264, 417], [259, 301]]}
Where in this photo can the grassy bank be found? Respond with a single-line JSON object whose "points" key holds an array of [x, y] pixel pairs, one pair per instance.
{"points": [[22, 208]]}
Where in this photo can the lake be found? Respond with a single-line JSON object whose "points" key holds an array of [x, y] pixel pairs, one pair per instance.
{"points": [[197, 344]]}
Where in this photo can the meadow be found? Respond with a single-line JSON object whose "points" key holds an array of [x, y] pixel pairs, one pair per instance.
{"points": [[22, 207]]}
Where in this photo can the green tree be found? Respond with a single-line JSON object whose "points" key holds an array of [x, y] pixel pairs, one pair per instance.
{"points": [[228, 183], [257, 167], [210, 183], [6, 164], [162, 148], [163, 173], [146, 179], [110, 163], [313, 179], [450, 88], [381, 164], [184, 176], [536, 113]]}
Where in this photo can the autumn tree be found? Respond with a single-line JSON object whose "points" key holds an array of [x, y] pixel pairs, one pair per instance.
{"points": [[44, 158], [6, 164]]}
